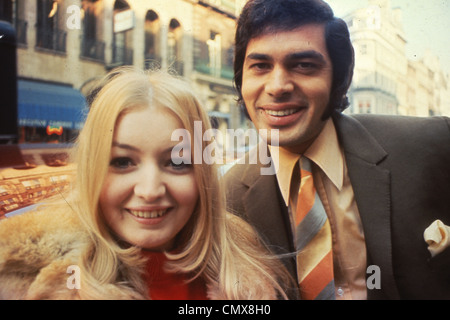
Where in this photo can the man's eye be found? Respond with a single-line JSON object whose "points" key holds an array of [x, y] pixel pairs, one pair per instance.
{"points": [[306, 66], [260, 66], [121, 163]]}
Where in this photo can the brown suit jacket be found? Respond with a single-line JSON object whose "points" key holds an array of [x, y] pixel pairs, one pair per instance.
{"points": [[400, 172]]}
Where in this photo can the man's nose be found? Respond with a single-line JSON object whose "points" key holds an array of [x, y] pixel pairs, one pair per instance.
{"points": [[279, 82], [150, 185]]}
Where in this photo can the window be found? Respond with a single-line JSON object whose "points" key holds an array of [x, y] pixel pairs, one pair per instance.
{"points": [[6, 10], [48, 34], [363, 49], [122, 51], [13, 12], [152, 39], [91, 47], [215, 51], [364, 106], [174, 38]]}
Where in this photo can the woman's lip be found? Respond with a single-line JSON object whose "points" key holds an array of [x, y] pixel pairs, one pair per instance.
{"points": [[148, 208], [148, 217]]}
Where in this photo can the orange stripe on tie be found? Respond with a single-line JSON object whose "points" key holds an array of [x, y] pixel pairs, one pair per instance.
{"points": [[317, 279]]}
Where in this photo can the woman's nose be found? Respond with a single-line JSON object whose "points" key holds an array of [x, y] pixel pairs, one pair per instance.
{"points": [[150, 185]]}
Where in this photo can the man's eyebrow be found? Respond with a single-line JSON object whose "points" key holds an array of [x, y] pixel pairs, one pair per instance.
{"points": [[310, 54], [258, 56]]}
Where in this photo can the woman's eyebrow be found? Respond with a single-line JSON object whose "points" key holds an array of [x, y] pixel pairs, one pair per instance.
{"points": [[175, 147], [124, 146]]}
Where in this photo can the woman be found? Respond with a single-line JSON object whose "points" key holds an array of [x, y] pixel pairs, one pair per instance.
{"points": [[142, 222]]}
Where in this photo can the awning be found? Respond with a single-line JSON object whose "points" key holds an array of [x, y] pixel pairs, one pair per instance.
{"points": [[43, 104]]}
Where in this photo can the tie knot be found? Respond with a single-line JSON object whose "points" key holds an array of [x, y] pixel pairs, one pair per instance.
{"points": [[305, 166]]}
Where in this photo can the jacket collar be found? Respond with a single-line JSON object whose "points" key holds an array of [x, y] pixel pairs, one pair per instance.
{"points": [[266, 210], [372, 188]]}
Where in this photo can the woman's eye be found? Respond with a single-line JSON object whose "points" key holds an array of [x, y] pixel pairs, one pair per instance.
{"points": [[121, 163], [179, 164]]}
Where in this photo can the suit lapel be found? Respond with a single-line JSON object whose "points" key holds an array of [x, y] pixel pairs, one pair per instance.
{"points": [[371, 186], [266, 211]]}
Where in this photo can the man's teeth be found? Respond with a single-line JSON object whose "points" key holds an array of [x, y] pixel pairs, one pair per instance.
{"points": [[281, 113], [148, 214]]}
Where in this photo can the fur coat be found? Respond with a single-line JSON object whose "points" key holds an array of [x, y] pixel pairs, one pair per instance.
{"points": [[37, 250]]}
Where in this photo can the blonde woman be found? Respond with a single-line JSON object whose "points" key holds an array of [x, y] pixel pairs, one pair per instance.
{"points": [[143, 221]]}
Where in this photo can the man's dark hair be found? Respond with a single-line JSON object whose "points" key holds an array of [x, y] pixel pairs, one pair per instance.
{"points": [[265, 16]]}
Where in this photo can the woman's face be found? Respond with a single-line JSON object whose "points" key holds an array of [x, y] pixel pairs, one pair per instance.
{"points": [[147, 198]]}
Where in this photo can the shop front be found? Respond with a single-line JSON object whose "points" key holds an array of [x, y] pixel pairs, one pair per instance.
{"points": [[49, 113]]}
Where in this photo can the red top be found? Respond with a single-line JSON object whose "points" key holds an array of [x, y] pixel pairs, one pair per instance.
{"points": [[170, 286]]}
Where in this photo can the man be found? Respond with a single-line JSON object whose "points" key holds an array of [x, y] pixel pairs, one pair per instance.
{"points": [[383, 180]]}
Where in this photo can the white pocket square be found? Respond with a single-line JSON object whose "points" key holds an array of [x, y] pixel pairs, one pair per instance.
{"points": [[437, 235]]}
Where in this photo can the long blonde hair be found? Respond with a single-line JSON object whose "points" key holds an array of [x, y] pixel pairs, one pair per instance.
{"points": [[214, 244]]}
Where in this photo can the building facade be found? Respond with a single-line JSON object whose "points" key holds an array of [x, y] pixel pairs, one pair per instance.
{"points": [[385, 81], [64, 47], [381, 65]]}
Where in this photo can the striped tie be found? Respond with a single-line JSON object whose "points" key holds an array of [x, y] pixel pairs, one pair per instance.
{"points": [[313, 240]]}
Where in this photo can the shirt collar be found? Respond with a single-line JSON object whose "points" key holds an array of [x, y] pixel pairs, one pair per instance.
{"points": [[325, 152], [284, 172]]}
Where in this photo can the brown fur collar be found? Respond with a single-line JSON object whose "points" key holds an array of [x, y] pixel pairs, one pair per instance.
{"points": [[37, 248]]}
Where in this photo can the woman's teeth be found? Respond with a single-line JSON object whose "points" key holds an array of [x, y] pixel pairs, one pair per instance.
{"points": [[148, 214], [280, 113]]}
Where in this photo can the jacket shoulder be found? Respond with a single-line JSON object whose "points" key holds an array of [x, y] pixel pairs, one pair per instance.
{"points": [[234, 174], [423, 126], [245, 171], [396, 133], [36, 248]]}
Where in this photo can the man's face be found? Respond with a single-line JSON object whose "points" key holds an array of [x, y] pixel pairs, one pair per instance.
{"points": [[286, 84]]}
